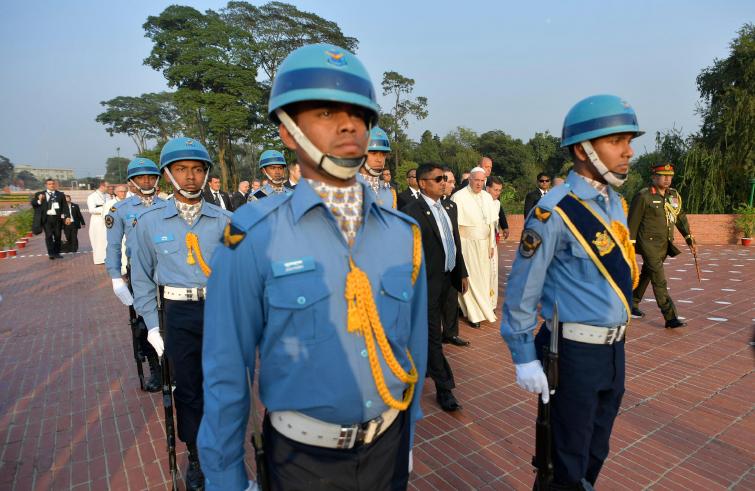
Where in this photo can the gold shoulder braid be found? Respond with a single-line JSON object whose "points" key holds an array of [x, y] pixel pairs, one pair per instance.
{"points": [[625, 206], [621, 233], [363, 318], [395, 198], [192, 246]]}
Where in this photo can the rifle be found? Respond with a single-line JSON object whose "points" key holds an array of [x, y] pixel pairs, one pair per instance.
{"points": [[170, 431], [135, 334], [136, 327], [263, 480], [543, 459]]}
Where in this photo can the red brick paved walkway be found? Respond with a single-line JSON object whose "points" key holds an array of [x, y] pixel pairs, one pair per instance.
{"points": [[72, 415]]}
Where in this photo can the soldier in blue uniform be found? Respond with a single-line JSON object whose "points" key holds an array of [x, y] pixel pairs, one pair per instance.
{"points": [[370, 173], [575, 252], [273, 166], [174, 245], [329, 288], [120, 220]]}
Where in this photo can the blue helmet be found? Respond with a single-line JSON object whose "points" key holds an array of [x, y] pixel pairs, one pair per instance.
{"points": [[140, 167], [183, 148], [597, 116], [322, 72], [271, 157], [379, 140]]}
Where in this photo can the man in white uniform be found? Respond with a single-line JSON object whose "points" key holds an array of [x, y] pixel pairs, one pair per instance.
{"points": [[97, 231], [478, 215]]}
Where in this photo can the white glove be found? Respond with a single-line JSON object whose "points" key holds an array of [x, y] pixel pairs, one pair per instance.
{"points": [[154, 338], [411, 461], [121, 291], [530, 377], [252, 486]]}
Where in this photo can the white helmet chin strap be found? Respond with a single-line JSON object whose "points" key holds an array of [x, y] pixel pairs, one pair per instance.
{"points": [[612, 178], [186, 194], [146, 192], [371, 171], [340, 168], [277, 182]]}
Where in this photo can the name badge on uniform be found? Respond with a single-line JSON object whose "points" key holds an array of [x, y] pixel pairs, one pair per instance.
{"points": [[159, 239], [293, 266], [130, 216]]}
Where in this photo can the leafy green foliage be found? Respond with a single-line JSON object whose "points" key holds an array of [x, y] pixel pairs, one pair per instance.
{"points": [[147, 117], [6, 171], [117, 169]]}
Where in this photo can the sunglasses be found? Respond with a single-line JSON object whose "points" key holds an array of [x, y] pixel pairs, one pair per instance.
{"points": [[411, 177], [437, 179], [545, 180]]}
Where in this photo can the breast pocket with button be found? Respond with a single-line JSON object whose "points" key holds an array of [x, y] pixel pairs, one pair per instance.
{"points": [[396, 291], [585, 267], [297, 307]]}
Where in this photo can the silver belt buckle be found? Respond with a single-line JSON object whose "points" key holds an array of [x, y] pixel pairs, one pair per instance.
{"points": [[347, 437], [611, 335], [622, 332]]}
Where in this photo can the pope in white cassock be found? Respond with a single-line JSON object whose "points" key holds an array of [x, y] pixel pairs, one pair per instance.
{"points": [[97, 231], [478, 215]]}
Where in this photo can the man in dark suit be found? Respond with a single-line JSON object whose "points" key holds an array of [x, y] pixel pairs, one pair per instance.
{"points": [[411, 193], [445, 268], [239, 197], [52, 204], [213, 194], [543, 185], [73, 222]]}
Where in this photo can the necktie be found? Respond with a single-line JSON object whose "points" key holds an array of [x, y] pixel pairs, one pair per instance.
{"points": [[448, 238]]}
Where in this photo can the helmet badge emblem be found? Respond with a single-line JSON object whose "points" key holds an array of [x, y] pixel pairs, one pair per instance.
{"points": [[336, 58]]}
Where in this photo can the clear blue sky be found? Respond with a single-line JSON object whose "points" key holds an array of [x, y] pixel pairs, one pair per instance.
{"points": [[509, 65]]}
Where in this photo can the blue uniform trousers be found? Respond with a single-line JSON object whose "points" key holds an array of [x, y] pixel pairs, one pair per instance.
{"points": [[383, 465], [185, 324], [590, 388]]}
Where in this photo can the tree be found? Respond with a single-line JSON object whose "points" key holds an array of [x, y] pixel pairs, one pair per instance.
{"points": [[457, 150], [208, 62], [722, 156], [116, 169], [278, 28], [6, 171], [400, 88], [27, 180], [152, 116], [547, 154]]}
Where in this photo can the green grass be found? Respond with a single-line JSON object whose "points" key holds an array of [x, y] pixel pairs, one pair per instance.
{"points": [[15, 227]]}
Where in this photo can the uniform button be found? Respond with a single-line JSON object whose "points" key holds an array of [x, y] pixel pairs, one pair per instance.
{"points": [[368, 404], [382, 292], [165, 251], [364, 353], [405, 295], [600, 197], [301, 300]]}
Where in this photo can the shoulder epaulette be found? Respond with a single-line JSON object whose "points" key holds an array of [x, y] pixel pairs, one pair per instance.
{"points": [[247, 217], [553, 197], [399, 214]]}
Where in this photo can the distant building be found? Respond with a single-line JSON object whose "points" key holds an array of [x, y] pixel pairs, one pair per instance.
{"points": [[43, 173]]}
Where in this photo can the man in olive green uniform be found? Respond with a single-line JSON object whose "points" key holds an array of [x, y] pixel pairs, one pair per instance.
{"points": [[654, 213]]}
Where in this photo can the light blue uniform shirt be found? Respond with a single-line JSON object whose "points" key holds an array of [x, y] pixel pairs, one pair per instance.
{"points": [[281, 291], [125, 213], [160, 255], [560, 270], [384, 192]]}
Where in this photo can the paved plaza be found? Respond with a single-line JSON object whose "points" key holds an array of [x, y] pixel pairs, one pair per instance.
{"points": [[72, 415]]}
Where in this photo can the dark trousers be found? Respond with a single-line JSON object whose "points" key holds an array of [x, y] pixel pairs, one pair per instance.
{"points": [[652, 272], [451, 314], [437, 366], [52, 227], [379, 466], [590, 387], [72, 238], [185, 325]]}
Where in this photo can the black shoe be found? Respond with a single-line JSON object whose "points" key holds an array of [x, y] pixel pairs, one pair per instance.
{"points": [[456, 341], [637, 313], [52, 257], [155, 381], [674, 323], [475, 325], [194, 476], [447, 401], [59, 256]]}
